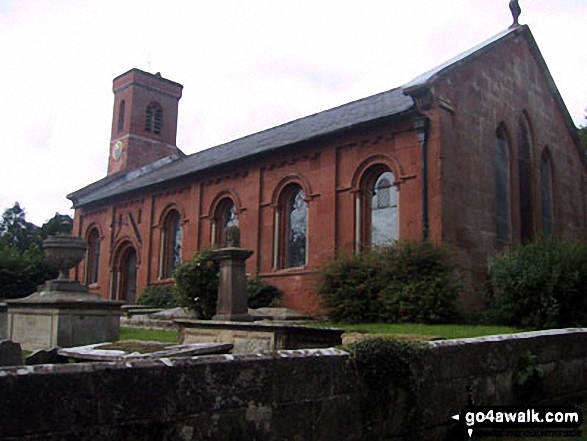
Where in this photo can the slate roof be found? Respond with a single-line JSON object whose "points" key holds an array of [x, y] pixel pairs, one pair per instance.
{"points": [[385, 104], [382, 105]]}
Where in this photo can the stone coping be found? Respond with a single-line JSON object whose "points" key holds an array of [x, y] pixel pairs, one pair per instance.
{"points": [[510, 337], [64, 299], [72, 368], [262, 326], [94, 353]]}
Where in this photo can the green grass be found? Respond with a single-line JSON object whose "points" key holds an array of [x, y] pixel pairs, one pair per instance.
{"points": [[444, 331], [147, 335]]}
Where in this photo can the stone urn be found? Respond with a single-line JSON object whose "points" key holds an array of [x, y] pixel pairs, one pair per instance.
{"points": [[65, 252], [63, 313]]}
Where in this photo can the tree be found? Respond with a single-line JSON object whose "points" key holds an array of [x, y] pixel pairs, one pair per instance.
{"points": [[58, 224], [22, 264], [16, 232]]}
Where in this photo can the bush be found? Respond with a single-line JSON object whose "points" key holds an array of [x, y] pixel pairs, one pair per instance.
{"points": [[261, 294], [21, 273], [421, 285], [408, 282], [197, 284], [350, 287], [159, 296], [540, 285]]}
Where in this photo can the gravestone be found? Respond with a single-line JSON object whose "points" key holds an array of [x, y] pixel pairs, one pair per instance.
{"points": [[10, 353]]}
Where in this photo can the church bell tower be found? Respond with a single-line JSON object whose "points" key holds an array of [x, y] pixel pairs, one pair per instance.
{"points": [[144, 120]]}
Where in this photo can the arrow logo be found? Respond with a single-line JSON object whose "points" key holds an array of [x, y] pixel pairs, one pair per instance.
{"points": [[457, 418]]}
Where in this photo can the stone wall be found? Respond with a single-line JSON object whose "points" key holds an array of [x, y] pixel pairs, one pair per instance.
{"points": [[286, 395]]}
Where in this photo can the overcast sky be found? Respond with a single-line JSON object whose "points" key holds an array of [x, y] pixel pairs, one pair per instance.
{"points": [[246, 65]]}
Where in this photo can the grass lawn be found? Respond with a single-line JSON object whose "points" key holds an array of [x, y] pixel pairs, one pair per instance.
{"points": [[416, 329], [444, 331], [147, 335]]}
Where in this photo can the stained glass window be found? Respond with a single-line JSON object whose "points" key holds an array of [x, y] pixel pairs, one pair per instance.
{"points": [[297, 228], [384, 210], [226, 216], [502, 187], [525, 183], [172, 244]]}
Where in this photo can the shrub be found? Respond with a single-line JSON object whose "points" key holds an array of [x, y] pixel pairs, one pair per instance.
{"points": [[350, 286], [421, 286], [197, 284], [406, 282], [540, 285], [261, 294], [159, 296]]}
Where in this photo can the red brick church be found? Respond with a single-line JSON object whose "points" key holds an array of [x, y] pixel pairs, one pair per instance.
{"points": [[480, 153]]}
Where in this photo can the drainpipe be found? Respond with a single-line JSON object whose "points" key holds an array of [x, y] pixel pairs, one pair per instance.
{"points": [[422, 126]]}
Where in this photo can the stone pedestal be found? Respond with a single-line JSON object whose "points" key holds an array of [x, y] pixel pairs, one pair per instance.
{"points": [[232, 285], [63, 314]]}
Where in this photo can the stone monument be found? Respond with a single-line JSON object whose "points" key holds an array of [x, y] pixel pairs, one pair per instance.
{"points": [[62, 312], [234, 325], [232, 283]]}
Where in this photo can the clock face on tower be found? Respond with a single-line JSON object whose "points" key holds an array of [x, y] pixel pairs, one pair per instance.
{"points": [[117, 150]]}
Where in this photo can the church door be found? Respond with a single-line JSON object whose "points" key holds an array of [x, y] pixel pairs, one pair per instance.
{"points": [[124, 275], [129, 276]]}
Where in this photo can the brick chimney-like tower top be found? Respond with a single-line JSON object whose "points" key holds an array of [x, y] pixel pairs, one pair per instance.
{"points": [[144, 120]]}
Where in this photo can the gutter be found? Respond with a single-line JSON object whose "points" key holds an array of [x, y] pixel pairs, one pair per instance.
{"points": [[422, 127]]}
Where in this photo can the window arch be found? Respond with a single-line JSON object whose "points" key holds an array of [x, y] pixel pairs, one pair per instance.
{"points": [[502, 187], [377, 210], [92, 257], [525, 181], [546, 192], [225, 216], [121, 116], [153, 118], [171, 244], [291, 228]]}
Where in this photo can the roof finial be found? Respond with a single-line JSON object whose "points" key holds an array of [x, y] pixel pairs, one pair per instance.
{"points": [[516, 11]]}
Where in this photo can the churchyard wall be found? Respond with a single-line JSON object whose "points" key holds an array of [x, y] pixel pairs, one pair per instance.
{"points": [[286, 395]]}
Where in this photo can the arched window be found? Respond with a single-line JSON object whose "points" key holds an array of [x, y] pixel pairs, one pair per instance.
{"points": [[121, 116], [546, 193], [171, 244], [525, 182], [377, 216], [291, 228], [502, 187], [92, 256], [384, 205], [153, 118], [224, 216]]}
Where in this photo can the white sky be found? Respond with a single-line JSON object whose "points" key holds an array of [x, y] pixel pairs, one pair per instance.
{"points": [[245, 66]]}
